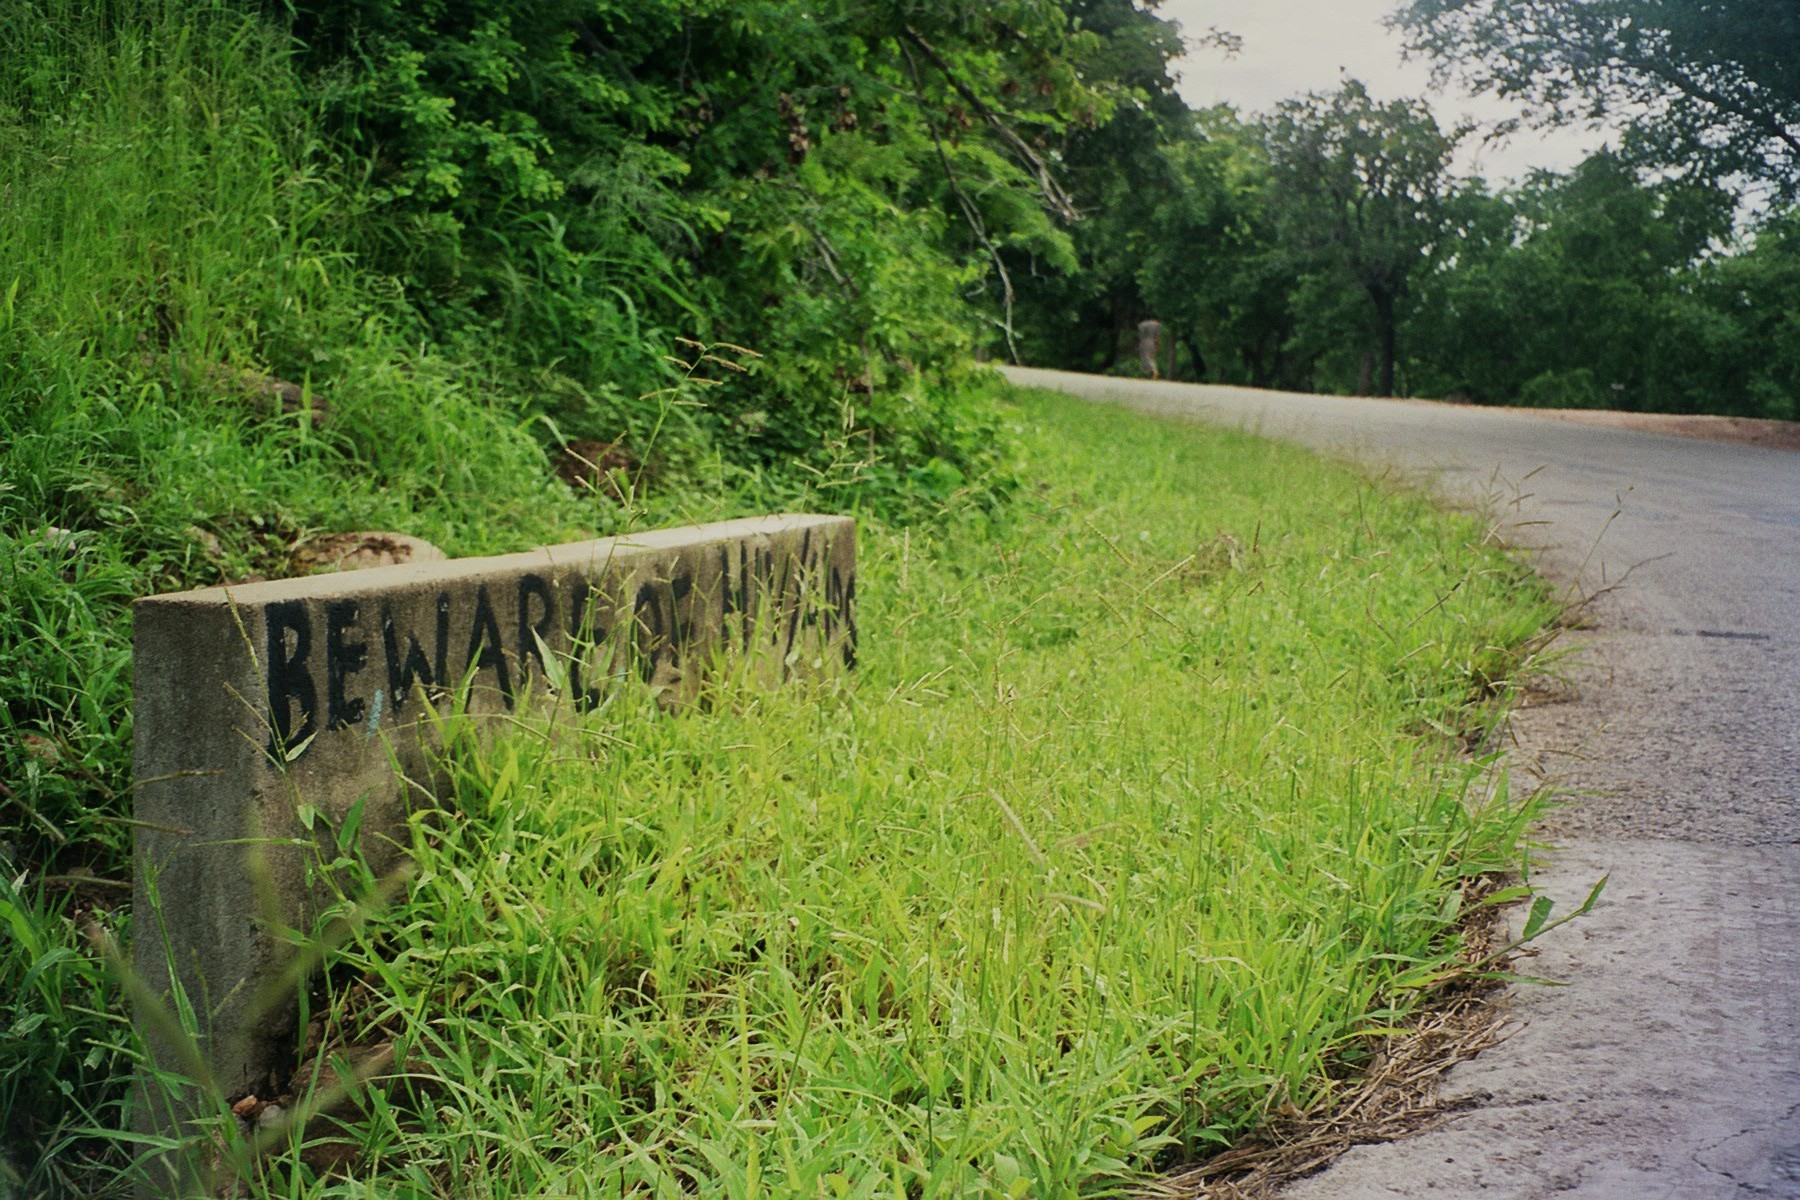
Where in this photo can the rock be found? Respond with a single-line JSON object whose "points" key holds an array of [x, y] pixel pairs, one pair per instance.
{"points": [[46, 752], [286, 398], [359, 551], [62, 548], [206, 542], [275, 397], [66, 542]]}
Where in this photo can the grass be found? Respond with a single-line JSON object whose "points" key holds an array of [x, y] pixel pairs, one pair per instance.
{"points": [[1142, 814], [1138, 822], [171, 218], [165, 233]]}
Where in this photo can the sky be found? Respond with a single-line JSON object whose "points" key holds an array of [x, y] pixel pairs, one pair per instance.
{"points": [[1295, 46]]}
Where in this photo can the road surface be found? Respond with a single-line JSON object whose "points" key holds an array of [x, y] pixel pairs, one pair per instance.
{"points": [[1669, 1064]]}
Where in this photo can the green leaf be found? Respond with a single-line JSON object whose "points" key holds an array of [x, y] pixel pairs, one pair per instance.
{"points": [[1540, 913], [352, 824], [1593, 897], [25, 1025]]}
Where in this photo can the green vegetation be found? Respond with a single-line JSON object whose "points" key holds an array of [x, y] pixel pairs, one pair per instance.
{"points": [[1143, 809], [147, 279], [223, 332], [1138, 820], [1326, 246], [571, 185], [1595, 290], [1364, 183]]}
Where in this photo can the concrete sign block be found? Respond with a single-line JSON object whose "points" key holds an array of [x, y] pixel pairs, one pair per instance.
{"points": [[267, 713]]}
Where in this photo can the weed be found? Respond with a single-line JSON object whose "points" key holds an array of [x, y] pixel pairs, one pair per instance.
{"points": [[1098, 864]]}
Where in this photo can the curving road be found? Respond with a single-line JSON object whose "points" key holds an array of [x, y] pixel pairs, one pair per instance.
{"points": [[1669, 1066]]}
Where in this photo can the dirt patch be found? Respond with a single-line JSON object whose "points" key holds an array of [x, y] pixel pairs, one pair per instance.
{"points": [[1748, 431], [359, 551], [600, 468]]}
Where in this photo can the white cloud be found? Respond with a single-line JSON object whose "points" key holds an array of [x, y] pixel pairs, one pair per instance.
{"points": [[1296, 46]]}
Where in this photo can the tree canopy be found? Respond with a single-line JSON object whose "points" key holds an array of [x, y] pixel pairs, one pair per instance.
{"points": [[1359, 185], [1701, 86]]}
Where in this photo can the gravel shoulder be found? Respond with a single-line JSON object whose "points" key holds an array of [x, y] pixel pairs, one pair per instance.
{"points": [[1745, 431]]}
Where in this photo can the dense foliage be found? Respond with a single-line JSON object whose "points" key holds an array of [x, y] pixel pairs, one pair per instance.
{"points": [[1595, 290], [371, 266], [577, 184], [375, 265]]}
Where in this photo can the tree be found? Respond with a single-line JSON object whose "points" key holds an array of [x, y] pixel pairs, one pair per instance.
{"points": [[1580, 290], [1209, 265], [1486, 317], [1360, 189], [1700, 85], [1751, 363], [1078, 311]]}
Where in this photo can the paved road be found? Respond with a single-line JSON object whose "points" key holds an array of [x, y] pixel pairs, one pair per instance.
{"points": [[1669, 1066]]}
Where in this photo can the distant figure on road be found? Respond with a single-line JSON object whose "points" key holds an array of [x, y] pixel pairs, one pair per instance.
{"points": [[1150, 346]]}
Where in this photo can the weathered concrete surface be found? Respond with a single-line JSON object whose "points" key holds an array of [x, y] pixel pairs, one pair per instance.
{"points": [[268, 714], [1663, 1071], [1669, 1064]]}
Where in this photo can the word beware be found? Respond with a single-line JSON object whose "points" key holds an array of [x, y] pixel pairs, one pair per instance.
{"points": [[356, 661]]}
